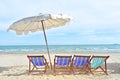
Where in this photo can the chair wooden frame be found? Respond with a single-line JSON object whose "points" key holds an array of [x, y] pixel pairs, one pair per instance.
{"points": [[81, 65], [62, 68], [103, 68], [33, 67]]}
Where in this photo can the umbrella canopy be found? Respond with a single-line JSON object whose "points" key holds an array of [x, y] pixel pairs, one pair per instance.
{"points": [[37, 23], [33, 24]]}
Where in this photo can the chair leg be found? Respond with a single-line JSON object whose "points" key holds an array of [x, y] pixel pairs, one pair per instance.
{"points": [[72, 70], [106, 68], [45, 69], [90, 70], [29, 68], [86, 69], [54, 70]]}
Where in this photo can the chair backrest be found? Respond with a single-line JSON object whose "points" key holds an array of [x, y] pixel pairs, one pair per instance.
{"points": [[62, 60], [37, 60], [97, 61], [79, 60]]}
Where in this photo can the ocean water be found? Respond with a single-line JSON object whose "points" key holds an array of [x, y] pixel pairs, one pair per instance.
{"points": [[60, 48]]}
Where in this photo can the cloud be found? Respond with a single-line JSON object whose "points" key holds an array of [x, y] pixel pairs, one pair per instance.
{"points": [[86, 12], [94, 19]]}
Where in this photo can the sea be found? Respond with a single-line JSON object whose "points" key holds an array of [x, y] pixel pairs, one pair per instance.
{"points": [[97, 48]]}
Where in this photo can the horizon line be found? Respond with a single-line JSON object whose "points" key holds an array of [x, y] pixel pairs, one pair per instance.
{"points": [[58, 44]]}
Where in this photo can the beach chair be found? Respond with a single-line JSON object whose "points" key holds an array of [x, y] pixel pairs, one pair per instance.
{"points": [[62, 64], [80, 64], [37, 63], [98, 62]]}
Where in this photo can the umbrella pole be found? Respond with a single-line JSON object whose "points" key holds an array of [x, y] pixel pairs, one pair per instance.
{"points": [[46, 44]]}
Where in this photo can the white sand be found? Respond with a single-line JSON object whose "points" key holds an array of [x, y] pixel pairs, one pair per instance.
{"points": [[15, 67]]}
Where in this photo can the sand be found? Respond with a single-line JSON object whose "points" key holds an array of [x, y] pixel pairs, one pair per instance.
{"points": [[15, 67]]}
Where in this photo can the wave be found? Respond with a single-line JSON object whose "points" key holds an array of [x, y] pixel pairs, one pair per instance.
{"points": [[61, 48]]}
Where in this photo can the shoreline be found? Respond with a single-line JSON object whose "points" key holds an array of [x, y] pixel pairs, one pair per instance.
{"points": [[60, 53], [90, 48]]}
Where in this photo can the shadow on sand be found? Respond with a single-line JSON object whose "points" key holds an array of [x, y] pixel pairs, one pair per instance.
{"points": [[4, 69], [114, 67], [13, 71]]}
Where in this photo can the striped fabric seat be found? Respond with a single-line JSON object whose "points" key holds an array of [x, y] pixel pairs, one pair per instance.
{"points": [[80, 61], [63, 61], [62, 64], [80, 64], [98, 62], [36, 63]]}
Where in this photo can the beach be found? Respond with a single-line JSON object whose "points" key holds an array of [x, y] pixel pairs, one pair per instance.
{"points": [[60, 27], [15, 67]]}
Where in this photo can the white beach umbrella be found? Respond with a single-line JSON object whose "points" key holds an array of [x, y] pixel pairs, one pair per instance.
{"points": [[37, 23]]}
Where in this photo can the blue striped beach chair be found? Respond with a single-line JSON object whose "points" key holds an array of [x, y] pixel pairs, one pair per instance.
{"points": [[62, 64], [99, 62], [37, 63], [80, 64]]}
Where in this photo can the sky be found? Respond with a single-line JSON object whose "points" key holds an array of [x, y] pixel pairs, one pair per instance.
{"points": [[93, 21]]}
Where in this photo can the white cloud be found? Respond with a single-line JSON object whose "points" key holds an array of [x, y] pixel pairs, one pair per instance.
{"points": [[89, 16], [86, 12]]}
